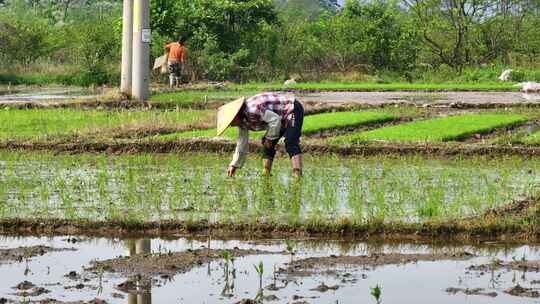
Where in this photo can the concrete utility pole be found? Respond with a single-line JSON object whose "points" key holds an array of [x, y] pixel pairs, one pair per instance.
{"points": [[141, 49], [127, 47]]}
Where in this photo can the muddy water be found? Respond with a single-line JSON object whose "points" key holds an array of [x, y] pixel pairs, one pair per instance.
{"points": [[412, 282], [44, 95]]}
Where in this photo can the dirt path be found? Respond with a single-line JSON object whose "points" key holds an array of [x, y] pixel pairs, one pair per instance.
{"points": [[472, 99], [455, 99]]}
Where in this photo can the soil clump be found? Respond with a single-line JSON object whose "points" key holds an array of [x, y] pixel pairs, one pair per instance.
{"points": [[519, 291], [150, 265], [313, 265], [20, 253], [469, 292], [525, 266]]}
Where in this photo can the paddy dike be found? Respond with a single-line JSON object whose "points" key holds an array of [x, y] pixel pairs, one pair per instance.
{"points": [[168, 264], [517, 222], [317, 271], [361, 99], [317, 147], [482, 100]]}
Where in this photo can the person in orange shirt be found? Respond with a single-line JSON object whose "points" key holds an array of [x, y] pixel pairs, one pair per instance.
{"points": [[176, 62]]}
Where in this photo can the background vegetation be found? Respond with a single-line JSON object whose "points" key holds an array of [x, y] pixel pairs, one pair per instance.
{"points": [[78, 41]]}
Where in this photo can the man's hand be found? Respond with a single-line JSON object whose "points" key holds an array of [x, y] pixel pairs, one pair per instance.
{"points": [[231, 171]]}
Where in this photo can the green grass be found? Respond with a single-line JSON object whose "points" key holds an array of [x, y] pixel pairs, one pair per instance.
{"points": [[312, 124], [367, 86], [533, 139], [40, 123], [199, 97], [438, 129]]}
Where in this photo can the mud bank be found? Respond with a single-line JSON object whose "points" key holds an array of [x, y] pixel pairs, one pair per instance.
{"points": [[521, 227], [168, 264], [227, 146], [313, 265]]}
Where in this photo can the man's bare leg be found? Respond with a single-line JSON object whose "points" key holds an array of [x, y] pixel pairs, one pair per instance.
{"points": [[267, 166], [297, 164], [171, 81]]}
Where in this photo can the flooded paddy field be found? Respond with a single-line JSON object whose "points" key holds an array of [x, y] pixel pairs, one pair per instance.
{"points": [[194, 189], [206, 270], [21, 94], [387, 228]]}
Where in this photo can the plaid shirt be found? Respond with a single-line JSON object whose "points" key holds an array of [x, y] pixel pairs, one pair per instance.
{"points": [[256, 106]]}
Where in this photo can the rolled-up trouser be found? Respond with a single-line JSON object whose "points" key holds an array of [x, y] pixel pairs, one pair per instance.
{"points": [[175, 68], [292, 133]]}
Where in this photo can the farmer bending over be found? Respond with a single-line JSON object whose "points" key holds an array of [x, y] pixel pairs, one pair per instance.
{"points": [[280, 115], [176, 61]]}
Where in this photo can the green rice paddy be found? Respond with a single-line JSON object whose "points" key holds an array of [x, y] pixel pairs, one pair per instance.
{"points": [[40, 123], [312, 124], [195, 188], [440, 129], [532, 139]]}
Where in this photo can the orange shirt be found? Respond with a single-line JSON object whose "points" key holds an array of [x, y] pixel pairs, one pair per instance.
{"points": [[177, 52]]}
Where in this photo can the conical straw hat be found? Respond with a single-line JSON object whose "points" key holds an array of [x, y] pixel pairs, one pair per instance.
{"points": [[226, 114]]}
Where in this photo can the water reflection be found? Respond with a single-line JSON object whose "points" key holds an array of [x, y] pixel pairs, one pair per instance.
{"points": [[143, 294]]}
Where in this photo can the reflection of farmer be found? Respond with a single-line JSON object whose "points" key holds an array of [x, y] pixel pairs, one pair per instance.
{"points": [[280, 115], [176, 61]]}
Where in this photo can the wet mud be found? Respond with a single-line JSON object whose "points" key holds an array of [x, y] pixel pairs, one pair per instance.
{"points": [[227, 146], [166, 264], [20, 253], [520, 291], [520, 265], [314, 265], [471, 292], [516, 208], [512, 222]]}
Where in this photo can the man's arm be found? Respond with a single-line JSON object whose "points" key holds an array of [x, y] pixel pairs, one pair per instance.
{"points": [[167, 47], [242, 148], [274, 124]]}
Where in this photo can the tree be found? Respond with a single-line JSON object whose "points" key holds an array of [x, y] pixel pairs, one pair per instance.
{"points": [[463, 32], [384, 34]]}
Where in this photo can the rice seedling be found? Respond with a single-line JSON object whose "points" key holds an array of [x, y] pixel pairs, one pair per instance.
{"points": [[290, 246], [376, 292], [449, 128], [228, 286], [45, 123], [259, 268], [533, 139], [194, 189]]}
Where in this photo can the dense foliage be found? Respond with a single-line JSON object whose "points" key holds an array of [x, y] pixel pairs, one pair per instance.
{"points": [[241, 40]]}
